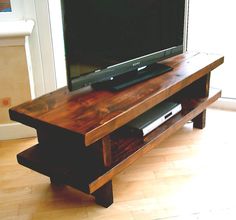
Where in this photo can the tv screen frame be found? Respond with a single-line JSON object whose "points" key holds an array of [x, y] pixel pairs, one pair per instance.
{"points": [[112, 71]]}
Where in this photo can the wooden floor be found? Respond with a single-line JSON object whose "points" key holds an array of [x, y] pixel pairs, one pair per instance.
{"points": [[190, 176]]}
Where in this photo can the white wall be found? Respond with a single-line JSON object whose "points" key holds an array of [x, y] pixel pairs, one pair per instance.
{"points": [[58, 41], [211, 29]]}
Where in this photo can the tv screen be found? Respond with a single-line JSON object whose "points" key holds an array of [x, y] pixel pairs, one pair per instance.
{"points": [[107, 38]]}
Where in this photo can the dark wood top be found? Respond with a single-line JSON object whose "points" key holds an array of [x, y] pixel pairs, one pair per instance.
{"points": [[95, 114]]}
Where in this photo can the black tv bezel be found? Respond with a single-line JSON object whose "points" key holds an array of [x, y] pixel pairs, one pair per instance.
{"points": [[130, 65]]}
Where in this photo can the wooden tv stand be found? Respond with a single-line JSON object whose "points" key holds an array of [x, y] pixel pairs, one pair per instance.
{"points": [[81, 142]]}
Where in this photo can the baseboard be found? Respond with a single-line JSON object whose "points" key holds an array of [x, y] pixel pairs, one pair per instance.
{"points": [[225, 104], [16, 131]]}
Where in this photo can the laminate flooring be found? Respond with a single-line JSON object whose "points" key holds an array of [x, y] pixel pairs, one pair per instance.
{"points": [[190, 176]]}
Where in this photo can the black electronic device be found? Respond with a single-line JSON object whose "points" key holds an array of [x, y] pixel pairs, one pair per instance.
{"points": [[119, 41], [154, 117]]}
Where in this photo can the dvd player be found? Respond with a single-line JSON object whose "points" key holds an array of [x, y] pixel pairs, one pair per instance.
{"points": [[154, 117]]}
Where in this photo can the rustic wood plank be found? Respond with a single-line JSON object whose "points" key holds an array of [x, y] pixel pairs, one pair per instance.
{"points": [[68, 122], [89, 176], [94, 114]]}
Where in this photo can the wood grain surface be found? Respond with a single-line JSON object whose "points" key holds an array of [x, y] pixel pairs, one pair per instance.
{"points": [[94, 114]]}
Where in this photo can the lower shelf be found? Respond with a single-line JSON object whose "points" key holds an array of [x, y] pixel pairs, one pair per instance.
{"points": [[191, 109], [87, 174]]}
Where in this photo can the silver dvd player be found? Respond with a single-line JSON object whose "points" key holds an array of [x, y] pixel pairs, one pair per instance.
{"points": [[154, 117]]}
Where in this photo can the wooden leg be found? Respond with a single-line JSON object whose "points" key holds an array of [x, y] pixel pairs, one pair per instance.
{"points": [[106, 151], [200, 120], [104, 195]]}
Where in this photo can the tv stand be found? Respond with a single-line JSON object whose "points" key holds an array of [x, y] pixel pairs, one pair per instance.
{"points": [[133, 77], [80, 138]]}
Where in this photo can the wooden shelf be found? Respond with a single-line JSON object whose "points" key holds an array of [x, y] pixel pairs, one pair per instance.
{"points": [[131, 148], [94, 114], [82, 140], [126, 148]]}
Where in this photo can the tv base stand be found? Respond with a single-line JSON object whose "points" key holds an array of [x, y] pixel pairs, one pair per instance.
{"points": [[81, 141], [133, 77]]}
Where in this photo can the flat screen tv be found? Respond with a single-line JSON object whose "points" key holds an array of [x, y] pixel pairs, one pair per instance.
{"points": [[116, 43]]}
